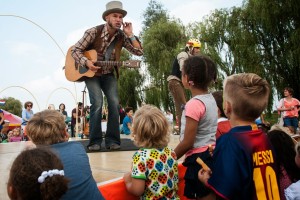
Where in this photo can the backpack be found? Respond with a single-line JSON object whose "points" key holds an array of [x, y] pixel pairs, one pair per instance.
{"points": [[176, 68]]}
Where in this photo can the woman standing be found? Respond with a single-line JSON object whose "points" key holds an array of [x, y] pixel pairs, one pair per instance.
{"points": [[290, 107]]}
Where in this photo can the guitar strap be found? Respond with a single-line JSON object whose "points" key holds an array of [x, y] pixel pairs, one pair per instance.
{"points": [[108, 53], [109, 49]]}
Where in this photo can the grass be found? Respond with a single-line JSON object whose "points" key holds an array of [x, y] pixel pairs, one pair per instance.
{"points": [[272, 118]]}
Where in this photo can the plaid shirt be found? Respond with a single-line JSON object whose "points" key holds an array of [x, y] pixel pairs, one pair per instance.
{"points": [[89, 37]]}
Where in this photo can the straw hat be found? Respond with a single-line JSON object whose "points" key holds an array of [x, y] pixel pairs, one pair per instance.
{"points": [[114, 7]]}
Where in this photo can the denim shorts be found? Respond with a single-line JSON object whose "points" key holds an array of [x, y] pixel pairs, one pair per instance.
{"points": [[290, 121]]}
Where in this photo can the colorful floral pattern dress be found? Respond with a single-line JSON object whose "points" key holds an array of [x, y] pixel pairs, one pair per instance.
{"points": [[159, 168]]}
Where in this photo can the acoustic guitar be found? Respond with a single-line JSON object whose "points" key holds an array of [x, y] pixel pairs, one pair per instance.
{"points": [[77, 73]]}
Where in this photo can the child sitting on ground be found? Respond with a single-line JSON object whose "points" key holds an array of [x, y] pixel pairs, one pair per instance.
{"points": [[244, 165], [37, 174], [16, 136], [48, 128], [154, 171], [9, 135], [127, 121]]}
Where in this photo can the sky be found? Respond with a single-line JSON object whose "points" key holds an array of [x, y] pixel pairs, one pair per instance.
{"points": [[35, 36]]}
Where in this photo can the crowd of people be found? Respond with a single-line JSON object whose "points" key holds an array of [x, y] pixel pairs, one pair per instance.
{"points": [[238, 159]]}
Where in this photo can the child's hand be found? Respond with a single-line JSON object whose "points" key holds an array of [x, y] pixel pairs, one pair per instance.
{"points": [[211, 150], [204, 175], [127, 28]]}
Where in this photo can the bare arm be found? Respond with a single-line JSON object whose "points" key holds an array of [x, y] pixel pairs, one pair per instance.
{"points": [[2, 118], [285, 109], [133, 185], [189, 137], [128, 30], [282, 108], [129, 126]]}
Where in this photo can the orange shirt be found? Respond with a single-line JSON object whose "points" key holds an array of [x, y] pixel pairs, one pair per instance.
{"points": [[284, 103]]}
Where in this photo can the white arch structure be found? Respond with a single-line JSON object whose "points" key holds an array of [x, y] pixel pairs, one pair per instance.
{"points": [[20, 17], [63, 88], [16, 86]]}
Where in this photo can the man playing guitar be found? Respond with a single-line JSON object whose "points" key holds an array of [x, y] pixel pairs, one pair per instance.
{"points": [[107, 39]]}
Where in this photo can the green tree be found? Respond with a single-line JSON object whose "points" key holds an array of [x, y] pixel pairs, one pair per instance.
{"points": [[161, 44], [129, 84], [153, 13], [13, 106], [276, 25], [259, 37], [227, 43], [162, 38], [231, 44]]}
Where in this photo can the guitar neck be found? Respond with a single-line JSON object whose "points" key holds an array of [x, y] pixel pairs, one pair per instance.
{"points": [[109, 63]]}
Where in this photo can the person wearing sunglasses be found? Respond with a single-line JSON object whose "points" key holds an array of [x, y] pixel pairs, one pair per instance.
{"points": [[27, 113]]}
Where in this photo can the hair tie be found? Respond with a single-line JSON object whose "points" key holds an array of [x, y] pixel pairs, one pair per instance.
{"points": [[191, 83], [50, 173]]}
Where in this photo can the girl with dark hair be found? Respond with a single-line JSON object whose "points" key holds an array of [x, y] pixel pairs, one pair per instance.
{"points": [[198, 122], [37, 174], [284, 147]]}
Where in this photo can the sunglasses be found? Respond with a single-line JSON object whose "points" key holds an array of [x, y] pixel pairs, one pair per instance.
{"points": [[29, 106]]}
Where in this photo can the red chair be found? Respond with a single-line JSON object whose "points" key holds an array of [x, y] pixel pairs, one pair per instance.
{"points": [[116, 190]]}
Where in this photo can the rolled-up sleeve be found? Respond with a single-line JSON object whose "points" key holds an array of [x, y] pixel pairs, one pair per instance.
{"points": [[181, 57], [135, 51]]}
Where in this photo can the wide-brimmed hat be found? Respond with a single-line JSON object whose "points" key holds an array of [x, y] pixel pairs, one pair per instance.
{"points": [[114, 7]]}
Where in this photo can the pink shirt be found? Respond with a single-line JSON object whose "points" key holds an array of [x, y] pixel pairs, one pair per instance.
{"points": [[195, 109], [287, 104], [15, 139]]}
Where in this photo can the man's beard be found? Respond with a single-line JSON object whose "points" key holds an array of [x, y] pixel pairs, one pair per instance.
{"points": [[111, 25]]}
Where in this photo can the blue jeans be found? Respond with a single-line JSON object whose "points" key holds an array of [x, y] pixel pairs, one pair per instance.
{"points": [[291, 121], [108, 84]]}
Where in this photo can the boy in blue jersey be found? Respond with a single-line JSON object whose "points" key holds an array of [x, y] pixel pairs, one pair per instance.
{"points": [[244, 161]]}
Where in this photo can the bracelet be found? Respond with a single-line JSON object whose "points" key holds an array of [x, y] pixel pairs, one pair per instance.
{"points": [[132, 38]]}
